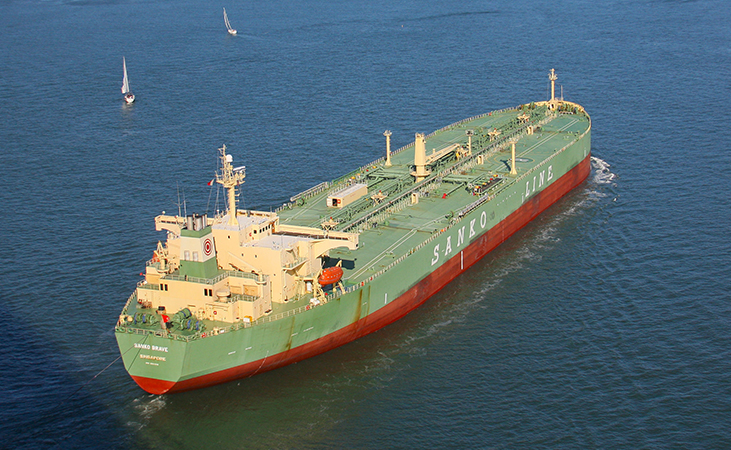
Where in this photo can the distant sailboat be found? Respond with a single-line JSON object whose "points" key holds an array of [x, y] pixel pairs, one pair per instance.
{"points": [[231, 31], [128, 96]]}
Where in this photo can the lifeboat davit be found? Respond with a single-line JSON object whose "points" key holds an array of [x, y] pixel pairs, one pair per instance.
{"points": [[330, 275]]}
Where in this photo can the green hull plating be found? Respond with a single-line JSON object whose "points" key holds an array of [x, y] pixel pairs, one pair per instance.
{"points": [[411, 246]]}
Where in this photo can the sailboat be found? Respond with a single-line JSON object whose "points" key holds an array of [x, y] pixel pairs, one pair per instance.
{"points": [[231, 31], [128, 96]]}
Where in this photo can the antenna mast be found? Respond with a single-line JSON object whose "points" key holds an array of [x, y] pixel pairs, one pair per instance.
{"points": [[230, 178], [177, 188], [552, 76]]}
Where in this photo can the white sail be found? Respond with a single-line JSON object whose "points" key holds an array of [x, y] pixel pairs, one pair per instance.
{"points": [[228, 24], [125, 81]]}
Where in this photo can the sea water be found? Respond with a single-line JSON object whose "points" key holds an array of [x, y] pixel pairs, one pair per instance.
{"points": [[604, 323]]}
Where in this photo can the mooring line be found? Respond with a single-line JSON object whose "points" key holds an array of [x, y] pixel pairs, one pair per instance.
{"points": [[100, 372]]}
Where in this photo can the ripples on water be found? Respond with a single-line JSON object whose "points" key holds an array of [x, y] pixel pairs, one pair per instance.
{"points": [[602, 324]]}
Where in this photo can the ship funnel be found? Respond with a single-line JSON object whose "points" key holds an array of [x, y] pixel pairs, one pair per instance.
{"points": [[200, 222], [420, 171], [196, 222]]}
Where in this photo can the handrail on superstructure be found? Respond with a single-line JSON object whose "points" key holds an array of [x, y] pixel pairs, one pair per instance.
{"points": [[335, 294]]}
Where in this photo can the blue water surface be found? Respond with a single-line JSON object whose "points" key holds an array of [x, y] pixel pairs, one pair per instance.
{"points": [[605, 323]]}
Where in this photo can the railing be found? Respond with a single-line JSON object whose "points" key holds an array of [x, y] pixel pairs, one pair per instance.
{"points": [[336, 184], [376, 274], [239, 297], [311, 191], [214, 280], [467, 163], [296, 263]]}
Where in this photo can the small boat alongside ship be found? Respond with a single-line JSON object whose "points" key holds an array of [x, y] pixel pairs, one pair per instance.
{"points": [[247, 291]]}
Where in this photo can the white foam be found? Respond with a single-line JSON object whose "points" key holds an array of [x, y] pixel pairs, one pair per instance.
{"points": [[148, 406], [602, 171]]}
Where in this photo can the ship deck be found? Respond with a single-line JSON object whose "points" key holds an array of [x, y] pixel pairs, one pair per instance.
{"points": [[391, 228], [410, 226]]}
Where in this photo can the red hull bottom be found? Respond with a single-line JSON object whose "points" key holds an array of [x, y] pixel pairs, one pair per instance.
{"points": [[410, 300]]}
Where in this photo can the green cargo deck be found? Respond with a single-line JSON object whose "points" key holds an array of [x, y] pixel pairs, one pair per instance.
{"points": [[393, 228], [395, 232]]}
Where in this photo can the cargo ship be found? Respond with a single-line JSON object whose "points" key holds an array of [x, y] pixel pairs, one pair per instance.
{"points": [[245, 291]]}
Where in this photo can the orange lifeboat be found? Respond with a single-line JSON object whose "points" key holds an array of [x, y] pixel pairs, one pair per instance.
{"points": [[330, 275]]}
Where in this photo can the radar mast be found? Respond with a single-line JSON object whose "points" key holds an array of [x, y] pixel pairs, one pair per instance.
{"points": [[230, 177], [553, 77]]}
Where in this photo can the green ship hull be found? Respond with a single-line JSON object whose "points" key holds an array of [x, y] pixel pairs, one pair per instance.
{"points": [[412, 243]]}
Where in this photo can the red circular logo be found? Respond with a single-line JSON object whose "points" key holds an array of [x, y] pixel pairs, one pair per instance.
{"points": [[207, 247]]}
